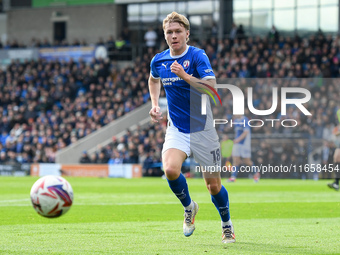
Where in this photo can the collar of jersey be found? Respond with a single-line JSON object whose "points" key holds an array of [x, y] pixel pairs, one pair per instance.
{"points": [[178, 56]]}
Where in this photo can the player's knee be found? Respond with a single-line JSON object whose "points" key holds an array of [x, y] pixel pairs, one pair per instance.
{"points": [[214, 188], [171, 172], [236, 161]]}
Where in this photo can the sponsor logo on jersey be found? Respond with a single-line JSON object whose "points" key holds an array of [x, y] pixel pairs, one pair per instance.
{"points": [[170, 80]]}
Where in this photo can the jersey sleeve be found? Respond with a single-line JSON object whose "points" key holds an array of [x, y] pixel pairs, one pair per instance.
{"points": [[204, 68], [153, 70]]}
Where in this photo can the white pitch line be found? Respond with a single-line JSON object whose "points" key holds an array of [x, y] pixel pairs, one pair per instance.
{"points": [[144, 203], [149, 203], [171, 203], [14, 205], [13, 200]]}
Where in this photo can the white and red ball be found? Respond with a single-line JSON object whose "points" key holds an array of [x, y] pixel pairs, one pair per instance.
{"points": [[51, 196]]}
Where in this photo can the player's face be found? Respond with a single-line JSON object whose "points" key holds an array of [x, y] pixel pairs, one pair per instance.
{"points": [[176, 37]]}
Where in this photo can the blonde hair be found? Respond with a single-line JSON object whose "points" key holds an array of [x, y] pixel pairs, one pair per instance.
{"points": [[176, 17]]}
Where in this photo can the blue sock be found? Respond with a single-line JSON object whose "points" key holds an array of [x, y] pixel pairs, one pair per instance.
{"points": [[234, 174], [221, 202], [214, 202], [180, 188]]}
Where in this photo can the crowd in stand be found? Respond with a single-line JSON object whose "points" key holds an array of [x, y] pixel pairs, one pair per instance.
{"points": [[45, 106], [142, 146]]}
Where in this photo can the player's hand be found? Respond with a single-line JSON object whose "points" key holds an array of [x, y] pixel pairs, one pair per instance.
{"points": [[177, 69], [155, 113]]}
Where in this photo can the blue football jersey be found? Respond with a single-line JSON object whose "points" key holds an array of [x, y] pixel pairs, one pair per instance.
{"points": [[241, 125], [184, 102]]}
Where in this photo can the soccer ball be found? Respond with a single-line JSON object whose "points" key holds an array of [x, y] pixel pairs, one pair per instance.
{"points": [[51, 196]]}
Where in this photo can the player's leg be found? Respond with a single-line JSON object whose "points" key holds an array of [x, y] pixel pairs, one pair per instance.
{"points": [[336, 160], [220, 198], [176, 149], [246, 159], [236, 167], [209, 157], [236, 156], [256, 174], [172, 164]]}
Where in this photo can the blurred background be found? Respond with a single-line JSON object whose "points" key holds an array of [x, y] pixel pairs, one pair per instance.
{"points": [[74, 93]]}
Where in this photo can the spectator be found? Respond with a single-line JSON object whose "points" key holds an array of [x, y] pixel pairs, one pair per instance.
{"points": [[241, 34], [150, 38], [273, 35], [233, 33], [85, 159], [110, 44], [100, 42], [102, 158], [120, 43], [3, 157], [126, 35], [116, 158]]}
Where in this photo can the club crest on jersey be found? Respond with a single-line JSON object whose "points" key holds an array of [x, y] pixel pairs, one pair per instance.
{"points": [[186, 63]]}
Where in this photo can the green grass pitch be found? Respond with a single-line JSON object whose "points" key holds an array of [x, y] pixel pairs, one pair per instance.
{"points": [[142, 216]]}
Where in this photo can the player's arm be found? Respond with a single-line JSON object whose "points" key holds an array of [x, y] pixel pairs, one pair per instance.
{"points": [[241, 137], [155, 90], [202, 85]]}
